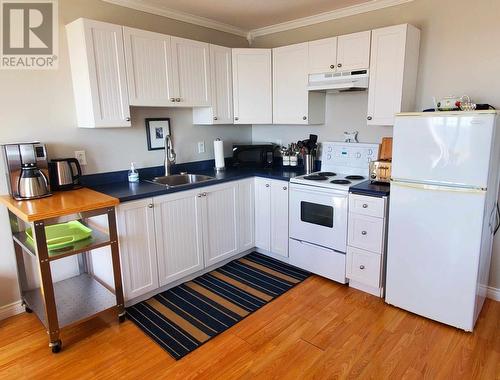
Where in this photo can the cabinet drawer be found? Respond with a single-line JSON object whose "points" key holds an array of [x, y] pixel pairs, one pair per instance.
{"points": [[366, 232], [363, 266], [371, 206]]}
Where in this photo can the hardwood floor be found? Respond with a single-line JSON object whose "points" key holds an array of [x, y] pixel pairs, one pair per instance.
{"points": [[318, 330]]}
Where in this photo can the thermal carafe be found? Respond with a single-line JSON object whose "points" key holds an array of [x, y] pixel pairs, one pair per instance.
{"points": [[26, 170]]}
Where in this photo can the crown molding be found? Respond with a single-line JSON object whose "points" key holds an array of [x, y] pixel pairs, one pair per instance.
{"points": [[180, 16], [250, 35], [352, 10]]}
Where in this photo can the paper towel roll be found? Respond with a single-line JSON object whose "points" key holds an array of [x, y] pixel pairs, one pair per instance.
{"points": [[219, 154]]}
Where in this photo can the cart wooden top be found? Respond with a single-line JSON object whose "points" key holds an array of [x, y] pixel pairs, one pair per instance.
{"points": [[59, 204]]}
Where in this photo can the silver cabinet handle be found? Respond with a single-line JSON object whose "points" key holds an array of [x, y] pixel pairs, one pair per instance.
{"points": [[332, 66], [198, 195], [267, 185], [284, 187], [339, 65], [177, 99], [172, 99], [361, 267], [304, 117], [215, 117], [150, 205], [365, 205], [204, 194], [236, 118], [363, 232], [369, 117], [127, 119]]}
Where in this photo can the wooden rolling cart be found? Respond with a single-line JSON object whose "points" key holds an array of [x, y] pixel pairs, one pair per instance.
{"points": [[78, 298]]}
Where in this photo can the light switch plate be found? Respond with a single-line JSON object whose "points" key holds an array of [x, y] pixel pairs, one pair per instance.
{"points": [[81, 157], [201, 147]]}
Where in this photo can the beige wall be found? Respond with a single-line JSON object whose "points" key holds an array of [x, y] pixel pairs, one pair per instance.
{"points": [[39, 105], [459, 54]]}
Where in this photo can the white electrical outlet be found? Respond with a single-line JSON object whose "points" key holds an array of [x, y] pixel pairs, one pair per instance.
{"points": [[201, 147], [81, 157]]}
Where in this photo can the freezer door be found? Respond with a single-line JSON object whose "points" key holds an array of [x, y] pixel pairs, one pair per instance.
{"points": [[449, 149], [434, 242]]}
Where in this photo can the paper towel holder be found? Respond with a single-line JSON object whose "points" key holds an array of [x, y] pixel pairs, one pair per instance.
{"points": [[219, 168]]}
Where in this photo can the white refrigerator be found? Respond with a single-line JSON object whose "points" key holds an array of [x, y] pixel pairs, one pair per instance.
{"points": [[443, 213]]}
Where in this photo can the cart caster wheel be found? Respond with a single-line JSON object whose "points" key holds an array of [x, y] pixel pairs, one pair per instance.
{"points": [[121, 318], [56, 346], [28, 310]]}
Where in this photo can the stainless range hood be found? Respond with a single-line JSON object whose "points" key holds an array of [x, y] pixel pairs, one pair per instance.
{"points": [[339, 82]]}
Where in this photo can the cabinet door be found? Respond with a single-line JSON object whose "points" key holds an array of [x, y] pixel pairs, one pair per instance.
{"points": [[149, 68], [98, 71], [279, 218], [252, 89], [179, 225], [290, 94], [322, 55], [353, 51], [246, 200], [136, 233], [263, 214], [220, 233], [386, 74], [191, 68], [222, 84]]}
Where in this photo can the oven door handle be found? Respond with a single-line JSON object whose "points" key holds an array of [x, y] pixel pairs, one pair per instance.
{"points": [[316, 246]]}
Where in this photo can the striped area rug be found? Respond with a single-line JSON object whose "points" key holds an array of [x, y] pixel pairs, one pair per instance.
{"points": [[183, 318]]}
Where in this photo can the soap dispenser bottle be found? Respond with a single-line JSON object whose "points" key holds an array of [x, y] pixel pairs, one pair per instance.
{"points": [[133, 174]]}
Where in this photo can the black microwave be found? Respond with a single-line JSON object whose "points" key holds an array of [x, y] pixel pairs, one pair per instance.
{"points": [[253, 155]]}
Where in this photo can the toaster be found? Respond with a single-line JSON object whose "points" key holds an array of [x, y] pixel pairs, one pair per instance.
{"points": [[380, 171]]}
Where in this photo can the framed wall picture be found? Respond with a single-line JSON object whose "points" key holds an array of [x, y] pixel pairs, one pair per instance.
{"points": [[156, 130]]}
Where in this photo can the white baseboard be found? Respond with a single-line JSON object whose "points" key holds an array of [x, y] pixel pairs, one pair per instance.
{"points": [[9, 310], [493, 293]]}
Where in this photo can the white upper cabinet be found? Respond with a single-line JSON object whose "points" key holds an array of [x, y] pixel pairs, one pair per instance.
{"points": [[191, 72], [99, 76], [292, 102], [353, 51], [344, 53], [149, 68], [393, 73], [322, 55], [252, 86], [221, 80]]}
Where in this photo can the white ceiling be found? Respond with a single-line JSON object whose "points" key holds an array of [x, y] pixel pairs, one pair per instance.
{"points": [[251, 18], [253, 14]]}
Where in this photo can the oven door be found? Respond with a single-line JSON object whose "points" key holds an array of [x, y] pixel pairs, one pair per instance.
{"points": [[319, 216]]}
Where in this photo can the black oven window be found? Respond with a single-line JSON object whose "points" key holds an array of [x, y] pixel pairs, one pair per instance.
{"points": [[316, 214]]}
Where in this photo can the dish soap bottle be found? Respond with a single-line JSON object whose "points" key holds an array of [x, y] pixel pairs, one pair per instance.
{"points": [[133, 174]]}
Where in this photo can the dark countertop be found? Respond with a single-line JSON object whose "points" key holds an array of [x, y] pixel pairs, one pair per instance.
{"points": [[125, 191], [372, 189]]}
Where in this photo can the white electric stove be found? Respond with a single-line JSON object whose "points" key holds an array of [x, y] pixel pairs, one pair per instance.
{"points": [[318, 208], [342, 165]]}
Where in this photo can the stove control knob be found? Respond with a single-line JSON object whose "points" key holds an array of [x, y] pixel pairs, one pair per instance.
{"points": [[363, 233], [330, 149], [329, 157], [365, 205]]}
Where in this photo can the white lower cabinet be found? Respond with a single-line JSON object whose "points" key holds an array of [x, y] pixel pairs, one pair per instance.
{"points": [[365, 261], [179, 224], [246, 205], [271, 216], [136, 234], [167, 238], [220, 222]]}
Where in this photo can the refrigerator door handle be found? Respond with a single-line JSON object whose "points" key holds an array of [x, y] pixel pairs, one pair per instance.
{"points": [[425, 186]]}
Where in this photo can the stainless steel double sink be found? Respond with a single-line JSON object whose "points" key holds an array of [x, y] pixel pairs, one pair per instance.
{"points": [[176, 180]]}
